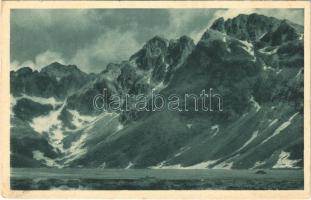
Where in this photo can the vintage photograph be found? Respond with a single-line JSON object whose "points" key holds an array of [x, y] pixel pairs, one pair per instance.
{"points": [[157, 99]]}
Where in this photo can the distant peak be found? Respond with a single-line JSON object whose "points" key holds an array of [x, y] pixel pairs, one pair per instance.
{"points": [[255, 14], [112, 66], [185, 38], [157, 37], [252, 15], [24, 70], [241, 15], [52, 66], [285, 23], [55, 64], [59, 70], [58, 66]]}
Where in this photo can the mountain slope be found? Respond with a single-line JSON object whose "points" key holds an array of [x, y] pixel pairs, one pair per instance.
{"points": [[254, 62]]}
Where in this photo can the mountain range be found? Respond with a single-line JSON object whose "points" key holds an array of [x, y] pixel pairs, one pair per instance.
{"points": [[255, 62]]}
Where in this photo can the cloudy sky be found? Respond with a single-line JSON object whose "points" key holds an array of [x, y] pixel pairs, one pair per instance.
{"points": [[92, 38]]}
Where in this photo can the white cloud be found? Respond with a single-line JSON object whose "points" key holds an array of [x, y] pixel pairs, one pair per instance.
{"points": [[110, 44], [113, 46], [294, 15], [40, 61], [47, 18], [178, 20], [181, 19]]}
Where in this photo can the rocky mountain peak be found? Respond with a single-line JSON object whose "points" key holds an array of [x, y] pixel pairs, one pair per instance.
{"points": [[184, 43], [24, 70], [219, 25], [56, 66], [112, 71], [285, 32], [211, 34], [59, 70], [151, 53], [185, 40], [246, 27], [158, 41]]}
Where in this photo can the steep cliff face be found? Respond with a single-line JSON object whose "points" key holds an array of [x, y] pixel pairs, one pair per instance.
{"points": [[254, 62]]}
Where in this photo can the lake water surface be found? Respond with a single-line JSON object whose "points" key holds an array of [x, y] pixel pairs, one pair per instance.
{"points": [[153, 179]]}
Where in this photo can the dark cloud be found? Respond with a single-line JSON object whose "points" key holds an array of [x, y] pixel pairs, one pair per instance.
{"points": [[92, 38]]}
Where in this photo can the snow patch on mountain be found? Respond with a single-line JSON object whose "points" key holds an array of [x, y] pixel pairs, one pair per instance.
{"points": [[261, 36], [80, 120], [118, 128], [177, 166], [38, 155], [223, 165], [215, 128], [299, 73], [224, 39], [266, 67], [181, 151], [44, 101], [268, 50], [248, 47], [189, 126], [158, 166], [258, 164], [252, 138], [129, 165], [281, 127], [273, 122], [13, 102], [255, 103], [202, 165], [46, 123], [51, 125], [76, 149], [55, 138], [285, 162], [159, 86]]}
